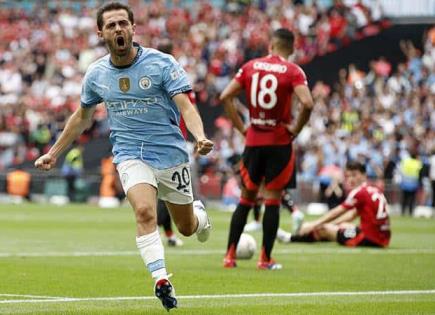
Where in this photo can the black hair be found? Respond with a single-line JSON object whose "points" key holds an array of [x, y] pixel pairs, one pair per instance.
{"points": [[356, 166], [165, 46], [112, 6], [285, 38]]}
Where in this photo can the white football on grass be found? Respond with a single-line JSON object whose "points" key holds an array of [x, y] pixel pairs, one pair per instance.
{"points": [[246, 247]]}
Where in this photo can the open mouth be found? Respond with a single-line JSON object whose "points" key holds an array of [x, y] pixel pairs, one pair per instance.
{"points": [[120, 41]]}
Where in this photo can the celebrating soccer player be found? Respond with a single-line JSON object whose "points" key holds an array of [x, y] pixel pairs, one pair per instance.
{"points": [[144, 92], [269, 84]]}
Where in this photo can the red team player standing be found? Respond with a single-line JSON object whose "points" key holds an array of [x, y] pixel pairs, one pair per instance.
{"points": [[268, 160]]}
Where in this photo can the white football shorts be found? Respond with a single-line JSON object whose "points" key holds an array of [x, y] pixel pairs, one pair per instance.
{"points": [[173, 184]]}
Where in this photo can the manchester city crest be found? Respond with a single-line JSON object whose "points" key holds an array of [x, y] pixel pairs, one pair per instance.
{"points": [[124, 84], [145, 83]]}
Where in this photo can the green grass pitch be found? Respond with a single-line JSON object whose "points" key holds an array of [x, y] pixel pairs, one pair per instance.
{"points": [[79, 259]]}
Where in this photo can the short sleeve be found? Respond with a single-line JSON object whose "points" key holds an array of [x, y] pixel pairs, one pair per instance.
{"points": [[174, 78], [88, 96], [298, 77], [352, 200], [240, 76]]}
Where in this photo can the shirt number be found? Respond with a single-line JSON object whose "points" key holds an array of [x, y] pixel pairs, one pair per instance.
{"points": [[182, 179], [382, 205], [268, 85]]}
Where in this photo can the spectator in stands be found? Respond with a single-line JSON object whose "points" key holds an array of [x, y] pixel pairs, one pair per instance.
{"points": [[334, 193], [72, 169], [44, 54], [410, 168]]}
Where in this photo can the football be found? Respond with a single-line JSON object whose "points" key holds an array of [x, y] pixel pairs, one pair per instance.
{"points": [[246, 247]]}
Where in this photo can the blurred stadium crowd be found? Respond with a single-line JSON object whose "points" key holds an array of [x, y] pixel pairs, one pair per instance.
{"points": [[45, 51], [380, 116]]}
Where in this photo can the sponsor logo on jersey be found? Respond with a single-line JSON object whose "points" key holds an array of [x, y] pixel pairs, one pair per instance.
{"points": [[124, 84], [263, 122], [145, 83]]}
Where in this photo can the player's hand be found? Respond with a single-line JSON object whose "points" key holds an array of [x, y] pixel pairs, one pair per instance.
{"points": [[203, 146], [45, 162], [291, 130]]}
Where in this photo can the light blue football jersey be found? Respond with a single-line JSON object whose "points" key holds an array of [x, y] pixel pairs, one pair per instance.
{"points": [[144, 121]]}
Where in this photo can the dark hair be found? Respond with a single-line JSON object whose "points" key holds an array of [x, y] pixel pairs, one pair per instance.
{"points": [[285, 37], [112, 6], [165, 46], [356, 166]]}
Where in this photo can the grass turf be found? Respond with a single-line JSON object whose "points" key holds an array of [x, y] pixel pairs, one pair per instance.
{"points": [[80, 251]]}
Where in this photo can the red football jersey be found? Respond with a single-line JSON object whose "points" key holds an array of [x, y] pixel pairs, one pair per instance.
{"points": [[183, 127], [269, 83], [371, 205]]}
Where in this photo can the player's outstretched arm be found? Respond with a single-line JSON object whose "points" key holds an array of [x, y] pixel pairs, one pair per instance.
{"points": [[304, 96], [348, 216], [331, 215], [193, 123], [227, 98], [76, 124]]}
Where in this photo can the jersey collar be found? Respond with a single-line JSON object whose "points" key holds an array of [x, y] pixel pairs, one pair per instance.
{"points": [[138, 54]]}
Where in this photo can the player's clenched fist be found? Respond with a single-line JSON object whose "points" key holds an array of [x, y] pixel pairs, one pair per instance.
{"points": [[203, 146], [45, 162]]}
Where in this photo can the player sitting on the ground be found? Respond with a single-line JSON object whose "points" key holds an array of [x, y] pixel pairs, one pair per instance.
{"points": [[365, 201]]}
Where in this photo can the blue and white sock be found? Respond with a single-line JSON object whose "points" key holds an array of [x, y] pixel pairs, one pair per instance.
{"points": [[153, 254]]}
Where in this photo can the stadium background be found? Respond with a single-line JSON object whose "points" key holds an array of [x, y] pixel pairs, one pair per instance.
{"points": [[369, 63], [82, 259]]}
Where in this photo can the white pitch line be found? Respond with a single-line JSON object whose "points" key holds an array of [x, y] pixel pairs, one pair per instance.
{"points": [[199, 252], [227, 296], [30, 296]]}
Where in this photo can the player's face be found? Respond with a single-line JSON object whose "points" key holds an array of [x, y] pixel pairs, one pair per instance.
{"points": [[354, 178], [117, 32]]}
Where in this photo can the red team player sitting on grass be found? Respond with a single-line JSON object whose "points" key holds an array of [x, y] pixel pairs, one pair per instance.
{"points": [[364, 200]]}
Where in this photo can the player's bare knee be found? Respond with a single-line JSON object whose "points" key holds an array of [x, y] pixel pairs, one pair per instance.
{"points": [[145, 214], [186, 228]]}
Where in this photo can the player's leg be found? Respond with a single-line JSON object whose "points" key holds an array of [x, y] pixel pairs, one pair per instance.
{"points": [[288, 203], [270, 229], [328, 232], [184, 218], [351, 236], [175, 189], [139, 184], [70, 180], [279, 169], [412, 200], [251, 171], [163, 217], [287, 199], [404, 202], [164, 220], [238, 222]]}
